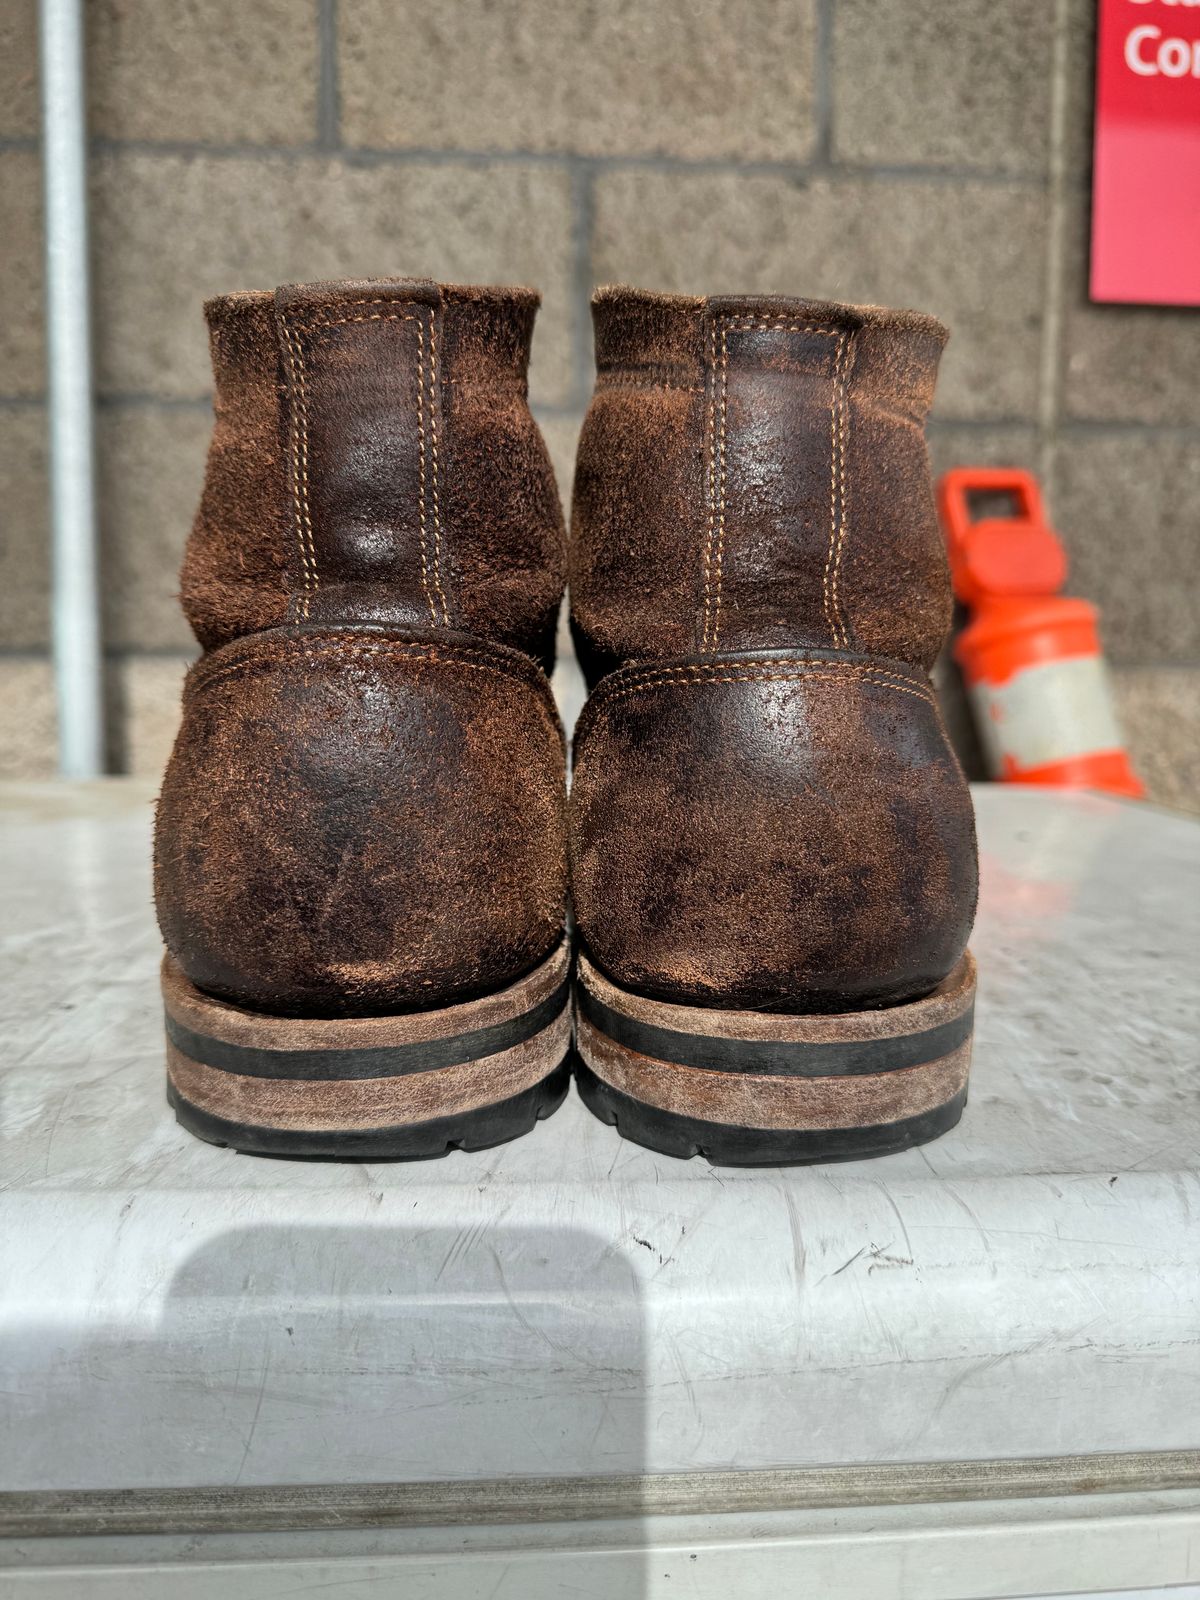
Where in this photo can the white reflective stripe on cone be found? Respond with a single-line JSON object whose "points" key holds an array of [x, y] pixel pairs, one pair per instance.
{"points": [[1051, 712]]}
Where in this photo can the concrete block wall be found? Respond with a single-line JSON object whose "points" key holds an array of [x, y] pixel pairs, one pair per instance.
{"points": [[891, 150]]}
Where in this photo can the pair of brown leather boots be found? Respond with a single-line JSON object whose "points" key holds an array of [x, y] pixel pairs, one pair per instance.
{"points": [[365, 848]]}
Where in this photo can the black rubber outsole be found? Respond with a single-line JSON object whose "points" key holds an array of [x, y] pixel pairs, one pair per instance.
{"points": [[480, 1129], [722, 1145]]}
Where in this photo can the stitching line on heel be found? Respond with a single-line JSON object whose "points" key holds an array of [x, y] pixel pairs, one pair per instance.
{"points": [[784, 670]]}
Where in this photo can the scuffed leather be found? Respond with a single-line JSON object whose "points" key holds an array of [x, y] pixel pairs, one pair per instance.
{"points": [[766, 812], [752, 474], [358, 821], [365, 808], [771, 831], [374, 460]]}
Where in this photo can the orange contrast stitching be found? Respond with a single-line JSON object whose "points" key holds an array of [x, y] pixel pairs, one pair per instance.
{"points": [[334, 634], [748, 324], [419, 654], [748, 676], [712, 479], [839, 427], [437, 513], [647, 671], [328, 322], [722, 457], [650, 670], [310, 577], [637, 381], [831, 616], [549, 715], [734, 672], [421, 478], [423, 654], [297, 644], [781, 677]]}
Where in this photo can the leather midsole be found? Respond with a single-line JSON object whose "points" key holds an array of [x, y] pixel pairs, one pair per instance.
{"points": [[371, 1102], [763, 1070]]}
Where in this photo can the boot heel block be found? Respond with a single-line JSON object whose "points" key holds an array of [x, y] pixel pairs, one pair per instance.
{"points": [[379, 1088], [748, 1088]]}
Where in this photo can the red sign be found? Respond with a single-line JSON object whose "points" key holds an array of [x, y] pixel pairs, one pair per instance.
{"points": [[1146, 183]]}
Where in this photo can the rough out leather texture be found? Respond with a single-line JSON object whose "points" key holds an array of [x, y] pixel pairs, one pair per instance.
{"points": [[753, 474], [766, 811], [362, 821], [365, 809], [771, 831], [374, 459]]}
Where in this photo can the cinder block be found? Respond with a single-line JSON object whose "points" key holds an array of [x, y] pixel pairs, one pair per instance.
{"points": [[27, 720], [1125, 504], [18, 69], [142, 712], [954, 445], [222, 73], [24, 545], [1079, 87], [970, 253], [1123, 363], [690, 78], [22, 348], [1159, 712], [964, 86], [145, 711], [150, 472], [172, 231]]}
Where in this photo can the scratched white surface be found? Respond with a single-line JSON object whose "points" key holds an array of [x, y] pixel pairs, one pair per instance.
{"points": [[172, 1313]]}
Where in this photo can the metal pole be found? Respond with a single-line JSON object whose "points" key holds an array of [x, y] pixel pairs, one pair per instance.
{"points": [[76, 608]]}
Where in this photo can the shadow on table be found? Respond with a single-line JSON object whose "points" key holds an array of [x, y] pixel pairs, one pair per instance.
{"points": [[357, 1355]]}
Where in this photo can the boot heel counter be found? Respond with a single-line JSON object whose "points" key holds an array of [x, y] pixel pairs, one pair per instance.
{"points": [[776, 831], [360, 821]]}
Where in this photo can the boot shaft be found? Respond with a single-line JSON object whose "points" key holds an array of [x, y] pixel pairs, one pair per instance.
{"points": [[364, 811], [753, 475], [374, 461], [766, 813]]}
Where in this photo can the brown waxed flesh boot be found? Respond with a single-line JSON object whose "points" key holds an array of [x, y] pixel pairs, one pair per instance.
{"points": [[772, 843], [360, 854]]}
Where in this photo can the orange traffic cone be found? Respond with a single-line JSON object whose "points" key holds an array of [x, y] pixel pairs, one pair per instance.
{"points": [[1030, 656]]}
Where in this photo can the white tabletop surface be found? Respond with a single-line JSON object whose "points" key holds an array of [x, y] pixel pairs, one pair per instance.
{"points": [[171, 1313]]}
